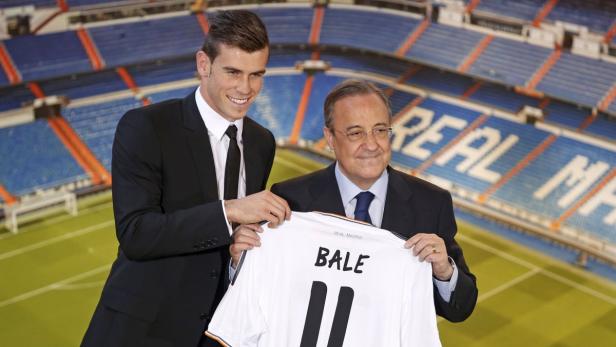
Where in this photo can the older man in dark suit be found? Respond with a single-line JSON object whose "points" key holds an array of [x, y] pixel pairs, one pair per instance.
{"points": [[362, 185], [183, 171]]}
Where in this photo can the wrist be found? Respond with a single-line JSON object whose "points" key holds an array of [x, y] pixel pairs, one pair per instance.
{"points": [[445, 274]]}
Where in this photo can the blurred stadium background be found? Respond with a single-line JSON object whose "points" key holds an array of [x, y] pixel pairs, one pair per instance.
{"points": [[508, 104]]}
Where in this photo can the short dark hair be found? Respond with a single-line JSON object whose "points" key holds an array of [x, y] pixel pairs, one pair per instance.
{"points": [[351, 88], [236, 28]]}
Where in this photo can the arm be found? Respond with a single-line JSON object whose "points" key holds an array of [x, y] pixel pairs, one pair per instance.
{"points": [[144, 229]]}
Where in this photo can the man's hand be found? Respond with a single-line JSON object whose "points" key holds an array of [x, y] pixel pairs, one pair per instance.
{"points": [[258, 207], [245, 237], [431, 248]]}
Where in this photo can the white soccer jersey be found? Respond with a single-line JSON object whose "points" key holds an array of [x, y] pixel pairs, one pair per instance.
{"points": [[320, 280]]}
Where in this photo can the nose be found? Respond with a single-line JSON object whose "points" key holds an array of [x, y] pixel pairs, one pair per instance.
{"points": [[370, 141], [243, 85]]}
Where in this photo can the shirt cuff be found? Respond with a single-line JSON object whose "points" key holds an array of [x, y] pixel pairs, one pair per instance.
{"points": [[445, 288], [226, 219]]}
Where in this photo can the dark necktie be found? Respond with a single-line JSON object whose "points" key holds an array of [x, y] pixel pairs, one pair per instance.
{"points": [[232, 167], [361, 207]]}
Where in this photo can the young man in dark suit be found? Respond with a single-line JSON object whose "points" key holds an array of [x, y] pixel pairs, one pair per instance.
{"points": [[183, 171], [362, 185]]}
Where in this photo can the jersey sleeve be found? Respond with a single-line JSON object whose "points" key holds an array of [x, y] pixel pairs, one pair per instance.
{"points": [[239, 320], [418, 314]]}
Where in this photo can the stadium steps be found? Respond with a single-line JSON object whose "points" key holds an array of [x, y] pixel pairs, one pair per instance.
{"points": [[412, 38], [608, 98], [130, 83], [6, 196], [475, 53], [556, 224], [587, 122], [8, 65], [536, 152], [610, 34], [301, 110], [472, 5], [543, 70], [203, 23], [79, 151], [35, 88], [544, 12], [317, 24], [91, 50], [412, 70], [428, 162]]}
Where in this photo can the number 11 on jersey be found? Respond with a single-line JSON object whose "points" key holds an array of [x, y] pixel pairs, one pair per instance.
{"points": [[314, 315]]}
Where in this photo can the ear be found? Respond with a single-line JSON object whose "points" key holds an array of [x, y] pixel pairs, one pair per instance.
{"points": [[329, 136], [204, 65]]}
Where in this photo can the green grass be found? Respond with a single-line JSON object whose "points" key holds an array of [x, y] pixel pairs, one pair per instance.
{"points": [[52, 273]]}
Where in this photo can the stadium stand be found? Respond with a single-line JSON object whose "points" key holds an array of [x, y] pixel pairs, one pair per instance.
{"points": [[96, 124], [383, 32], [603, 126], [509, 61], [287, 24], [494, 94], [148, 40], [50, 55], [429, 47], [579, 79], [312, 128], [521, 9], [83, 85], [565, 114], [597, 15], [162, 71], [38, 160]]}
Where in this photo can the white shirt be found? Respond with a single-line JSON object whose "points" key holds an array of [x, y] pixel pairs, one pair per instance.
{"points": [[338, 261], [348, 191], [216, 127]]}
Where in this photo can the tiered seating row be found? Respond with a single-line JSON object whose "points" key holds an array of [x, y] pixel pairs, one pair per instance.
{"points": [[521, 9], [34, 158]]}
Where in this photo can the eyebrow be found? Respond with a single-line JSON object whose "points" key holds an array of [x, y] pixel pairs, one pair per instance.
{"points": [[233, 69], [374, 126]]}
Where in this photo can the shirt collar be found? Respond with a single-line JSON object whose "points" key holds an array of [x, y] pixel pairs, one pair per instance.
{"points": [[348, 189], [215, 123]]}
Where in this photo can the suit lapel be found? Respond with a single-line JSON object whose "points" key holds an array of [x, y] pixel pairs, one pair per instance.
{"points": [[253, 162], [325, 193], [199, 143], [396, 216]]}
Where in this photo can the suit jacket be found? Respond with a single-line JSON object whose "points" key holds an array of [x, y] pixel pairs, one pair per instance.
{"points": [[169, 274], [412, 206]]}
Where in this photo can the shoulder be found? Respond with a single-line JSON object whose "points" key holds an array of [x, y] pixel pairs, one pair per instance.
{"points": [[154, 113], [418, 185], [258, 130]]}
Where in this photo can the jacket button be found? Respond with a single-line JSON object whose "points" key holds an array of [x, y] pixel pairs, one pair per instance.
{"points": [[214, 274]]}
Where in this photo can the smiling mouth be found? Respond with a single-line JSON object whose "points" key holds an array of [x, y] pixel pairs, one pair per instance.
{"points": [[238, 101]]}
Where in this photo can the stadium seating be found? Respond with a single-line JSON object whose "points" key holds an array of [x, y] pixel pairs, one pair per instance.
{"points": [[493, 94], [565, 114], [50, 55], [603, 126], [287, 24], [597, 15], [521, 9], [579, 79], [149, 40], [163, 71], [509, 61], [312, 128], [96, 124], [84, 85], [444, 45], [34, 158], [382, 31]]}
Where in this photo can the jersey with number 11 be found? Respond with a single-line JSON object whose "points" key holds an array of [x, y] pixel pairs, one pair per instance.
{"points": [[321, 280]]}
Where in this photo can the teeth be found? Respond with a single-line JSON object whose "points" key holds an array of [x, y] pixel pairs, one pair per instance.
{"points": [[238, 101]]}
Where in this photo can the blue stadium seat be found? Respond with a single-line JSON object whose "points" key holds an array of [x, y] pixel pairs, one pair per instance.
{"points": [[34, 158], [276, 106], [509, 61], [96, 124], [603, 126], [36, 3], [149, 40], [163, 71], [379, 31], [84, 85], [287, 24], [597, 15], [502, 97], [565, 114], [49, 55], [579, 79], [444, 45], [521, 9], [312, 129], [442, 81]]}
